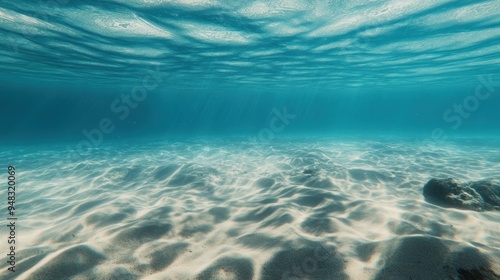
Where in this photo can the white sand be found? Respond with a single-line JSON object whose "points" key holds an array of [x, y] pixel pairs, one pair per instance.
{"points": [[329, 209]]}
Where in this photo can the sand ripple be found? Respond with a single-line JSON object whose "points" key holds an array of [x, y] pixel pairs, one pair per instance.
{"points": [[325, 209]]}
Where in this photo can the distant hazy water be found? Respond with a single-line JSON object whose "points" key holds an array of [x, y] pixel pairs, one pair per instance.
{"points": [[222, 67]]}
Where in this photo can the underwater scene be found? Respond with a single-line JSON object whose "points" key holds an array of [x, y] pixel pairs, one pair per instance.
{"points": [[252, 140]]}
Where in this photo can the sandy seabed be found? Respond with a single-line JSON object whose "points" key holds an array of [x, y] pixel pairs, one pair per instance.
{"points": [[316, 209]]}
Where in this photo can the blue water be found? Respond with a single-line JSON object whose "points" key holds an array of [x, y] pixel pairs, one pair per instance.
{"points": [[220, 68], [218, 139]]}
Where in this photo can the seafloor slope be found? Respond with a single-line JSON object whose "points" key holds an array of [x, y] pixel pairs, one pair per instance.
{"points": [[318, 209]]}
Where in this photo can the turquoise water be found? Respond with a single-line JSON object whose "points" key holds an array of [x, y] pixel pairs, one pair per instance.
{"points": [[222, 67], [206, 139]]}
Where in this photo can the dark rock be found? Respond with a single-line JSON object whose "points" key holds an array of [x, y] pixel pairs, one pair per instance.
{"points": [[477, 196], [449, 193], [488, 191]]}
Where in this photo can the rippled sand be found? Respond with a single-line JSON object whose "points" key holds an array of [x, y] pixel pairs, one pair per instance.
{"points": [[322, 209]]}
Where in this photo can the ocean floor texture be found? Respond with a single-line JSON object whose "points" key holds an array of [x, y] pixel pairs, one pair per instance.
{"points": [[211, 209]]}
